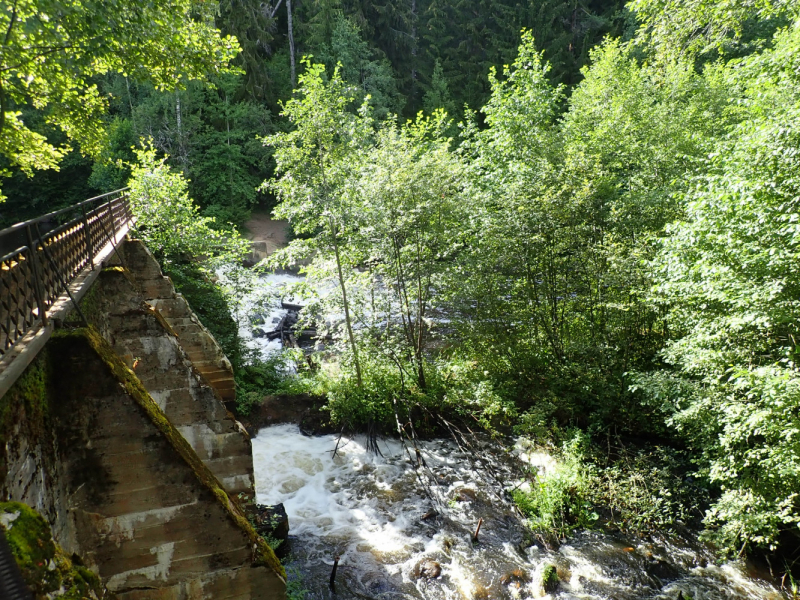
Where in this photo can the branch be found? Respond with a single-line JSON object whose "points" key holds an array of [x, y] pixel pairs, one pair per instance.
{"points": [[10, 26], [275, 10], [51, 50]]}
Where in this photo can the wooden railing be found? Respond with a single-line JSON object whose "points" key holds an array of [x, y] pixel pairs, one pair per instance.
{"points": [[43, 256]]}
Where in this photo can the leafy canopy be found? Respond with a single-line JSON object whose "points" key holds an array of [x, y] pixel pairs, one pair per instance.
{"points": [[51, 51], [169, 222], [728, 274]]}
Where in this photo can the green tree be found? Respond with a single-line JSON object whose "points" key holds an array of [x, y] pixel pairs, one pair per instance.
{"points": [[112, 169], [704, 25], [312, 165], [362, 67], [438, 94], [213, 138], [253, 24], [728, 275], [52, 50], [169, 222], [568, 210], [191, 248], [412, 213]]}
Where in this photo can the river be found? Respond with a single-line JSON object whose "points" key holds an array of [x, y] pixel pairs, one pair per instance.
{"points": [[370, 510]]}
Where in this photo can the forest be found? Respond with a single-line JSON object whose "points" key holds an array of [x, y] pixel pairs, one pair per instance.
{"points": [[577, 222]]}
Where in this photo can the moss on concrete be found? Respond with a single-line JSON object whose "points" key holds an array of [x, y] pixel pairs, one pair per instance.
{"points": [[45, 567], [25, 404], [263, 554], [30, 390]]}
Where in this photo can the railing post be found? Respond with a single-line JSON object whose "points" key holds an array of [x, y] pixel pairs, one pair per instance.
{"points": [[112, 224], [89, 247], [37, 276], [126, 200]]}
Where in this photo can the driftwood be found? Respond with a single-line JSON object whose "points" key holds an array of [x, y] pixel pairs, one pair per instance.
{"points": [[285, 331], [291, 307], [477, 531], [332, 582], [277, 333]]}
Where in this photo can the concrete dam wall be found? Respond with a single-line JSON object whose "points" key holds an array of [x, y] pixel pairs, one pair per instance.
{"points": [[117, 434]]}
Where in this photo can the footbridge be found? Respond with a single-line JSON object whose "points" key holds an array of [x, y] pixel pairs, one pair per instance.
{"points": [[49, 264], [113, 419]]}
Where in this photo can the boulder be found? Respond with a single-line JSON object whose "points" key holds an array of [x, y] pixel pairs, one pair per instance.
{"points": [[549, 579], [516, 577], [427, 569], [272, 523]]}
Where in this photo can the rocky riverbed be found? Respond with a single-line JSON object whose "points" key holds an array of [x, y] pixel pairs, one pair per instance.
{"points": [[401, 532]]}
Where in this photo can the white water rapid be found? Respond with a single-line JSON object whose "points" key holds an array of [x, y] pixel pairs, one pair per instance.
{"points": [[369, 510], [260, 311]]}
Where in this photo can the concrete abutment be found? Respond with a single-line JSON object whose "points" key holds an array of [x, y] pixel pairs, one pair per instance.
{"points": [[118, 435]]}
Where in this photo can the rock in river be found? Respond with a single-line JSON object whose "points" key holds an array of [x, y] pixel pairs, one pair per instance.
{"points": [[427, 569]]}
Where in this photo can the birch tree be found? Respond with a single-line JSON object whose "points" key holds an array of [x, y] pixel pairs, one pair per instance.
{"points": [[311, 172]]}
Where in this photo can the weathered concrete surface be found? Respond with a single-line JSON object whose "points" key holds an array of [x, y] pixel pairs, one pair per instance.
{"points": [[30, 469], [122, 487], [122, 445], [147, 344], [201, 347]]}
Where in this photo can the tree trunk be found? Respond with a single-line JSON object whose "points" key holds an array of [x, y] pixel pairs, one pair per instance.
{"points": [[413, 42], [291, 43], [182, 157], [346, 305]]}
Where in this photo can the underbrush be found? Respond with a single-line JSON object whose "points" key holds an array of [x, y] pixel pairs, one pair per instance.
{"points": [[558, 500], [257, 377], [390, 394], [634, 490], [209, 303]]}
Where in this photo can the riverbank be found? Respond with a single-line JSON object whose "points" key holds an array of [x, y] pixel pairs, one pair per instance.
{"points": [[265, 234]]}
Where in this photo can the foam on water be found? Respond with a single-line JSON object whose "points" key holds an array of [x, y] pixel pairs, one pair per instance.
{"points": [[263, 300], [368, 510]]}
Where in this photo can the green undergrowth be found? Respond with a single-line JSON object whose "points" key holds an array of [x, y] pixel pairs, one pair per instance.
{"points": [[453, 389], [134, 388], [45, 567], [258, 377], [557, 499], [627, 488], [295, 585], [209, 304]]}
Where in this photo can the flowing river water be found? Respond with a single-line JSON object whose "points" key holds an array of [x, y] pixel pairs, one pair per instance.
{"points": [[376, 513], [403, 533]]}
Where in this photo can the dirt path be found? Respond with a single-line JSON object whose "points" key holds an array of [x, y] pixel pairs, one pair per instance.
{"points": [[262, 228], [266, 234]]}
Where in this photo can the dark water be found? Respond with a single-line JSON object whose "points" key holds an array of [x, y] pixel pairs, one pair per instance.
{"points": [[369, 510]]}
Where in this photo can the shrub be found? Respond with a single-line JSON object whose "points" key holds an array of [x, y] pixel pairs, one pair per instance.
{"points": [[560, 501]]}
